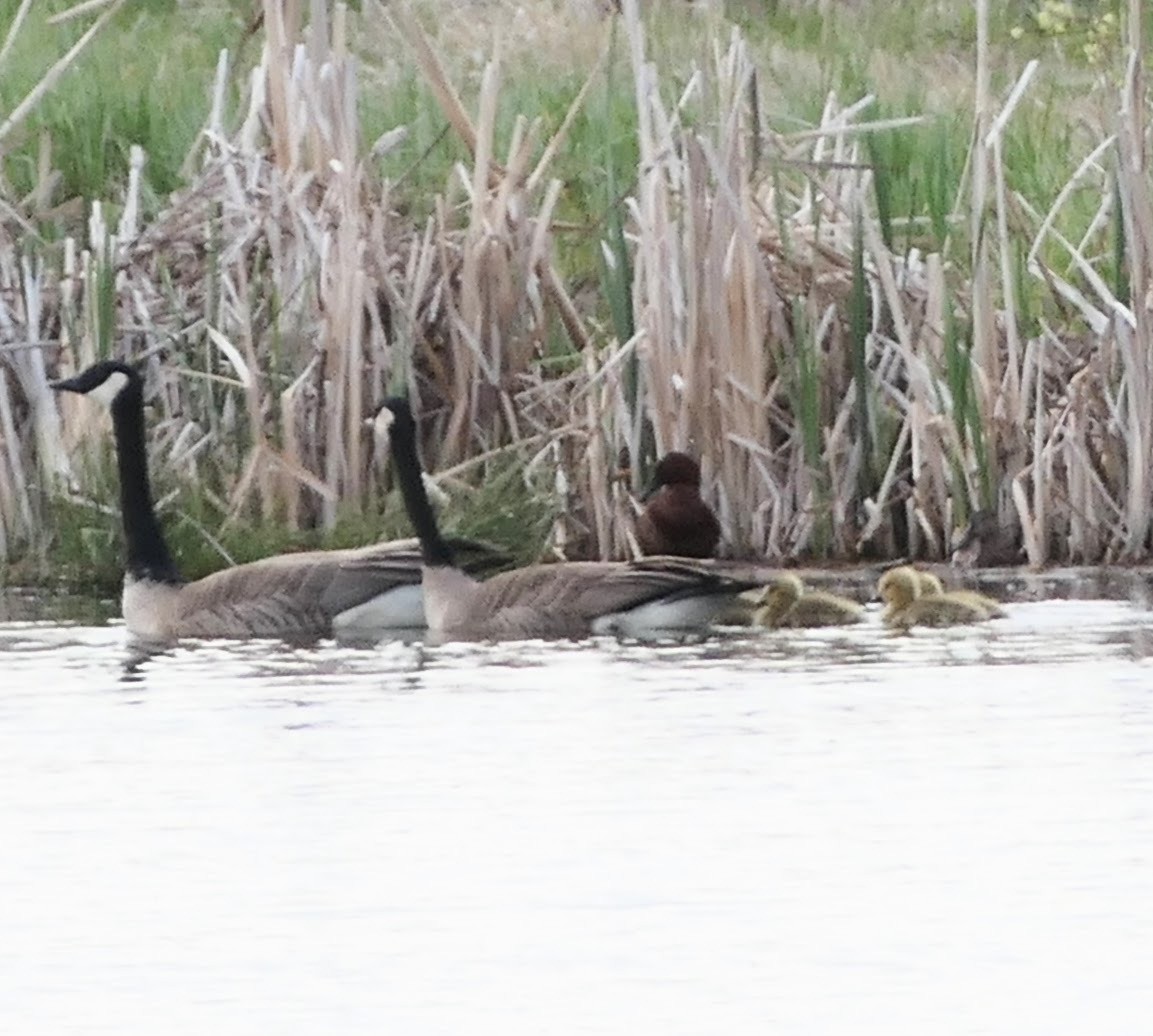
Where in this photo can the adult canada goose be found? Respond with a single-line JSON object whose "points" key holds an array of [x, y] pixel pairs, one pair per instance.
{"points": [[931, 586], [786, 603], [314, 594], [675, 520], [566, 599], [900, 589]]}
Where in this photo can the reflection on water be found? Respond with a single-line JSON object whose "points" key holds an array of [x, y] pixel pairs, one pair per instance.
{"points": [[833, 831]]}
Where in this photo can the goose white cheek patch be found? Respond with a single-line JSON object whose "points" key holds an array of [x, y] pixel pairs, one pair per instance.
{"points": [[381, 426], [109, 388]]}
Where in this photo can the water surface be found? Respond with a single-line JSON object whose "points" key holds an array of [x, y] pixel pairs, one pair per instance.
{"points": [[825, 832]]}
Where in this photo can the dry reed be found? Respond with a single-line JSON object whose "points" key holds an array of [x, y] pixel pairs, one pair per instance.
{"points": [[820, 375]]}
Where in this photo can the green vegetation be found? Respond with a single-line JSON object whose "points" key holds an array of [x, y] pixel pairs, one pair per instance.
{"points": [[813, 308]]}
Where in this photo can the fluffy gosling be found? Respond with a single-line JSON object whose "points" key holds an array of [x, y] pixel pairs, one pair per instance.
{"points": [[786, 603], [900, 589]]}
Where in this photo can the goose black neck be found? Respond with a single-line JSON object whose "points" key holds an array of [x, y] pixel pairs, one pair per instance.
{"points": [[402, 440], [148, 556]]}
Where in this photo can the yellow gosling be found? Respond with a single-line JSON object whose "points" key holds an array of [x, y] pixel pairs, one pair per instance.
{"points": [[900, 589], [786, 603], [931, 586]]}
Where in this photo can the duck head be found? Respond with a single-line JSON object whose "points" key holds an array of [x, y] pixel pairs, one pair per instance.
{"points": [[675, 469]]}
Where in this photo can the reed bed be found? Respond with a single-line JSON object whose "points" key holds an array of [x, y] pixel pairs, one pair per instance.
{"points": [[848, 396]]}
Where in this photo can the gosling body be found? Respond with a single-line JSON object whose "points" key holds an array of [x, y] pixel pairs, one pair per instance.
{"points": [[786, 603], [900, 589], [932, 587]]}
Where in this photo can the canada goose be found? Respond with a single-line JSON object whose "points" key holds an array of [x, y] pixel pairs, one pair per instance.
{"points": [[566, 599], [675, 520], [900, 589], [931, 586], [313, 594], [987, 543], [786, 603]]}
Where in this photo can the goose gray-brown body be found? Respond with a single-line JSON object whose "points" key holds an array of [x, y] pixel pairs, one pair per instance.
{"points": [[357, 592], [351, 593], [675, 520], [566, 599]]}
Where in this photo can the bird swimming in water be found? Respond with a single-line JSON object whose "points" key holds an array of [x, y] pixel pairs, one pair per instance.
{"points": [[787, 603], [900, 589]]}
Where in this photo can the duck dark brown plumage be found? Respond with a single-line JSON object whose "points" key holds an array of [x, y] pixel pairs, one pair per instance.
{"points": [[675, 520]]}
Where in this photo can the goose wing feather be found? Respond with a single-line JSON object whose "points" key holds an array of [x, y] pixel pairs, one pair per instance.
{"points": [[292, 594], [301, 594], [565, 599]]}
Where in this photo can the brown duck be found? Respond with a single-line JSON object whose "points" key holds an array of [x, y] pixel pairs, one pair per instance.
{"points": [[675, 520]]}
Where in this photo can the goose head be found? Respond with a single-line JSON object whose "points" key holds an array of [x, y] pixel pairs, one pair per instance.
{"points": [[394, 416], [786, 588], [388, 414], [106, 382], [395, 425]]}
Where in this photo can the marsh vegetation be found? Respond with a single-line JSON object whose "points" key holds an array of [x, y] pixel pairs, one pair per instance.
{"points": [[878, 265]]}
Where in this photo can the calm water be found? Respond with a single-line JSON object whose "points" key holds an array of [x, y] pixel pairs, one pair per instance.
{"points": [[829, 832]]}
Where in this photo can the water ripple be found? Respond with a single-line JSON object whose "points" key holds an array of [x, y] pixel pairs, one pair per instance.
{"points": [[834, 831]]}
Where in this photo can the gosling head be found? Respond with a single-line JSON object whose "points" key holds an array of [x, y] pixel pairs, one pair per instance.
{"points": [[105, 382], [788, 586], [783, 592], [899, 587], [777, 599]]}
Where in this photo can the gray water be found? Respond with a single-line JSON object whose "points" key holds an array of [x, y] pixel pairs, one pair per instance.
{"points": [[831, 832]]}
